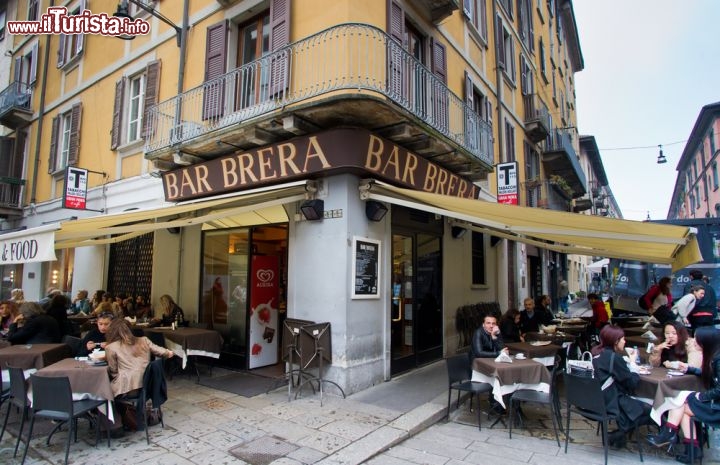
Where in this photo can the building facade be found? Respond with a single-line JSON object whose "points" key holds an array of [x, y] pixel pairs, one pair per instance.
{"points": [[268, 136], [696, 192]]}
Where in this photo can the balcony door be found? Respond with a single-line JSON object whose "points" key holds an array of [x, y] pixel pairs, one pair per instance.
{"points": [[252, 81]]}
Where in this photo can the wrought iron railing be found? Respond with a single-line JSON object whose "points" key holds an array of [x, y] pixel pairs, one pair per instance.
{"points": [[355, 58], [11, 192], [536, 110], [559, 141], [17, 94], [543, 193]]}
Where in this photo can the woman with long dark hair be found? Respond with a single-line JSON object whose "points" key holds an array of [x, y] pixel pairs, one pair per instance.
{"points": [[701, 405], [677, 350], [609, 363], [510, 326]]}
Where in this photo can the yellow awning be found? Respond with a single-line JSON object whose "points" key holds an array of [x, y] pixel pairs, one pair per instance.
{"points": [[565, 232], [262, 206]]}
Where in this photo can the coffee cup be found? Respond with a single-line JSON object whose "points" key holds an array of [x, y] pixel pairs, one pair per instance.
{"points": [[520, 356], [675, 365]]}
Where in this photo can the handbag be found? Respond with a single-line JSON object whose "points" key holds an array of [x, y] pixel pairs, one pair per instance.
{"points": [[582, 367]]}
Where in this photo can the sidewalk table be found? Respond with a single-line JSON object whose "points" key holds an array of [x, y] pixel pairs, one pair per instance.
{"points": [[190, 342], [639, 331], [629, 321], [640, 341], [558, 338], [665, 392], [540, 352], [28, 356], [506, 378]]}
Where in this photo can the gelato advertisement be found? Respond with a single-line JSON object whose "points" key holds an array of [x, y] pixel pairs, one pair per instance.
{"points": [[264, 296]]}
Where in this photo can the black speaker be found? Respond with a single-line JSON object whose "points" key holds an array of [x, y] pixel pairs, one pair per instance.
{"points": [[313, 210], [458, 232], [175, 230], [374, 210]]}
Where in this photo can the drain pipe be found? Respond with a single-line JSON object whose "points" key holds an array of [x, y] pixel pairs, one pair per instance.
{"points": [[499, 93], [41, 117]]}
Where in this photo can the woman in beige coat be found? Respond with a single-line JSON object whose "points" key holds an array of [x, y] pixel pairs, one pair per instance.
{"points": [[127, 356]]}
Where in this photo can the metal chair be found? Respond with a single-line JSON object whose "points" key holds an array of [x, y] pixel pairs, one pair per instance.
{"points": [[18, 398], [52, 399], [551, 398], [458, 369], [584, 396], [153, 374], [73, 342]]}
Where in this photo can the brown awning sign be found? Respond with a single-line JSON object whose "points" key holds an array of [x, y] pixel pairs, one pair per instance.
{"points": [[339, 150]]}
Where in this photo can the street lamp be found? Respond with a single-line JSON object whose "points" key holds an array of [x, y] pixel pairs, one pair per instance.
{"points": [[661, 158], [123, 12]]}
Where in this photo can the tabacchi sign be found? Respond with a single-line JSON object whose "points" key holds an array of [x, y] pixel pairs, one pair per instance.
{"points": [[339, 150], [507, 188]]}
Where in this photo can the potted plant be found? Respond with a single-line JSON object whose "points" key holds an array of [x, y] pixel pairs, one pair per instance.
{"points": [[561, 186]]}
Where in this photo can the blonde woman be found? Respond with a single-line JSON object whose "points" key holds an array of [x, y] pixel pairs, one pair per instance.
{"points": [[171, 312], [17, 296]]}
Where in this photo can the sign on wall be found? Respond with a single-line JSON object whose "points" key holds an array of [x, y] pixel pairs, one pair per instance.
{"points": [[75, 193], [264, 300], [366, 269], [507, 188], [31, 248]]}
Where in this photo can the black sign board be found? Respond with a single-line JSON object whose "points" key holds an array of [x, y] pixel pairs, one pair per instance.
{"points": [[366, 272]]}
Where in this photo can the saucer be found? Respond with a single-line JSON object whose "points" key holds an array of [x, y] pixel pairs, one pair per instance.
{"points": [[675, 373]]}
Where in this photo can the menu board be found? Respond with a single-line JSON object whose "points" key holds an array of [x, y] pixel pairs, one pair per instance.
{"points": [[366, 269]]}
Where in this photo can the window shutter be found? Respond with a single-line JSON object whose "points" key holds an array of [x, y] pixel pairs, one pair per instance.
{"points": [[61, 51], [396, 21], [279, 38], [18, 69], [439, 94], [531, 29], [499, 48], [468, 8], [439, 61], [152, 88], [215, 53], [16, 167], [468, 90], [523, 76], [33, 64], [80, 37], [7, 148], [512, 59], [115, 135], [521, 19], [53, 144], [74, 144]]}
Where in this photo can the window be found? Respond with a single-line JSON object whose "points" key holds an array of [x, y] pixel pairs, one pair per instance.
{"points": [[134, 95], [692, 202], [64, 140], [3, 18], [711, 138], [508, 50], [33, 10], [715, 175], [694, 169], [135, 107], [525, 23], [697, 197], [541, 57], [509, 141], [476, 12], [527, 84], [71, 46], [508, 7], [26, 67], [478, 258], [254, 44], [701, 149], [135, 10]]}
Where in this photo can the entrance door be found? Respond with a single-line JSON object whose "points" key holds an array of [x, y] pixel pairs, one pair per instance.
{"points": [[416, 317]]}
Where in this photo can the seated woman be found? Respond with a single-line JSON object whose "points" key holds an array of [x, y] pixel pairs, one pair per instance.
{"points": [[510, 326], [34, 326], [81, 303], [171, 313], [700, 405], [8, 313], [127, 357], [608, 362], [677, 346], [96, 336]]}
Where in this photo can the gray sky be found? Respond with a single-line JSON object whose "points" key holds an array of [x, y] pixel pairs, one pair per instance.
{"points": [[650, 66]]}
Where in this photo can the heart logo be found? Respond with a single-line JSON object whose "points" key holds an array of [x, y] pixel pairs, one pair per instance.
{"points": [[265, 276]]}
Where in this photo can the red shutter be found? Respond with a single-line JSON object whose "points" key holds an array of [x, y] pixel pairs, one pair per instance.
{"points": [[279, 38], [53, 144], [215, 53], [115, 134], [152, 88], [74, 144]]}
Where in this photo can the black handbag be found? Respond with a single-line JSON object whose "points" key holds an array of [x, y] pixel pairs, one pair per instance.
{"points": [[583, 367]]}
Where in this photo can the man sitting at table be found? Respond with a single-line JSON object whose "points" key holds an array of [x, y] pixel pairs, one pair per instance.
{"points": [[95, 338], [530, 320], [33, 326], [487, 342]]}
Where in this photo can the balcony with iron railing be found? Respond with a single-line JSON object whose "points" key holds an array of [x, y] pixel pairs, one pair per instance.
{"points": [[11, 196], [15, 108], [559, 157], [347, 75], [544, 193], [537, 118]]}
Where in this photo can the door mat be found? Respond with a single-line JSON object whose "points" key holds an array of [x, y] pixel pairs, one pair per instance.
{"points": [[242, 384]]}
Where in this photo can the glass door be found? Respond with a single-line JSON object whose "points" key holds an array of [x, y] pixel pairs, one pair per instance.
{"points": [[416, 316]]}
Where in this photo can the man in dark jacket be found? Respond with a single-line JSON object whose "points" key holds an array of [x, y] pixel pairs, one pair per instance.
{"points": [[487, 342], [705, 311]]}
